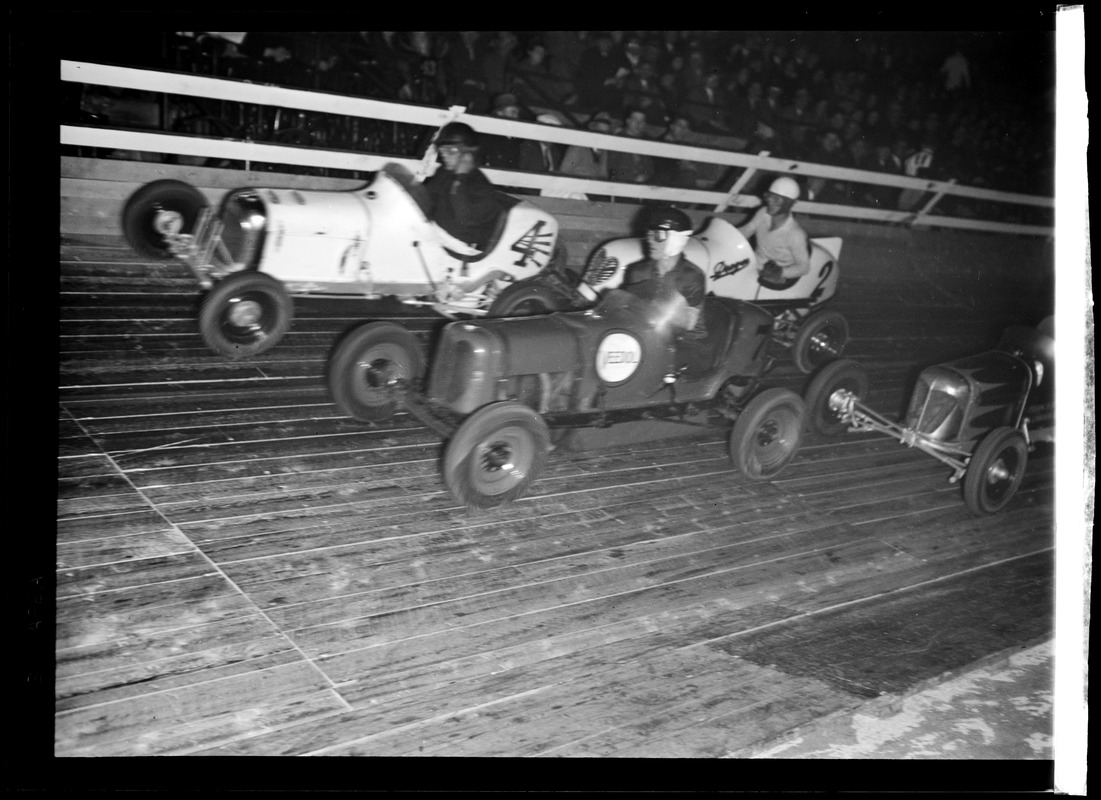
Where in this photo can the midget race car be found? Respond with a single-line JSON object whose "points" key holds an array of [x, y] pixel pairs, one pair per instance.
{"points": [[262, 246], [814, 335], [981, 415], [501, 390]]}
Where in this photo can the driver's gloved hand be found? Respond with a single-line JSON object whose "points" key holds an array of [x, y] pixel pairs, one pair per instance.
{"points": [[772, 276]]}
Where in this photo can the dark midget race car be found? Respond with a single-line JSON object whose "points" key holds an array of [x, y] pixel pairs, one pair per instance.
{"points": [[980, 415], [264, 245], [500, 390], [813, 333]]}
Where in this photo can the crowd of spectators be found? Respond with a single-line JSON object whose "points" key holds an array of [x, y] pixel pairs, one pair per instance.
{"points": [[942, 107]]}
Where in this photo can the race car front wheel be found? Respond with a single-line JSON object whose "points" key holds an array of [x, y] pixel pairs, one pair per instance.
{"points": [[821, 338], [158, 211], [496, 454], [841, 375], [245, 314], [995, 471], [767, 434], [370, 365]]}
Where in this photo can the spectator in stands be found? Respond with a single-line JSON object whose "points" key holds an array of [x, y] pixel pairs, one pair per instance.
{"points": [[564, 49], [549, 159], [707, 104], [874, 195], [830, 151], [541, 156], [531, 80], [497, 151], [695, 70], [956, 70], [781, 244], [798, 110], [496, 62], [671, 46], [774, 101], [632, 50], [642, 90], [376, 58], [600, 76], [588, 162], [462, 201], [424, 81], [466, 85], [677, 171], [272, 59], [918, 165], [632, 167]]}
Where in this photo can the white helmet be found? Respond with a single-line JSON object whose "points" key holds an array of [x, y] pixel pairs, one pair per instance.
{"points": [[785, 187]]}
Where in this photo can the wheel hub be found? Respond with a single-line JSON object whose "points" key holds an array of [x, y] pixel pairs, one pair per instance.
{"points": [[498, 458], [168, 222], [245, 313], [768, 433], [824, 343], [997, 473], [379, 374]]}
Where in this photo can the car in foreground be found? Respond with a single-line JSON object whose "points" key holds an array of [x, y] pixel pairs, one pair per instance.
{"points": [[814, 334], [263, 246], [981, 415], [500, 391]]}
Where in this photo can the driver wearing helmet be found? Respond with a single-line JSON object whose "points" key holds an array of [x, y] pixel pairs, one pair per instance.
{"points": [[782, 247], [666, 274], [461, 200]]}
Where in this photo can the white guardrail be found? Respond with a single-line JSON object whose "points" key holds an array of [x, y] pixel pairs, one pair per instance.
{"points": [[257, 94]]}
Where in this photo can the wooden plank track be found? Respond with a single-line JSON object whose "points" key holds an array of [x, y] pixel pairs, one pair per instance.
{"points": [[242, 570]]}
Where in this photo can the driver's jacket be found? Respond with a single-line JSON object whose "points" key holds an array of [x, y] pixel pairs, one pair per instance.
{"points": [[642, 279], [466, 205]]}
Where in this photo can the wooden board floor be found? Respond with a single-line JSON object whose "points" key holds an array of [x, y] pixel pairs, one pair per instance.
{"points": [[241, 570]]}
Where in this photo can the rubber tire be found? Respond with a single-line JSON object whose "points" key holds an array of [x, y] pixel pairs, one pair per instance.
{"points": [[278, 312], [505, 422], [985, 491], [141, 209], [770, 410], [526, 298], [810, 350], [381, 345], [840, 374]]}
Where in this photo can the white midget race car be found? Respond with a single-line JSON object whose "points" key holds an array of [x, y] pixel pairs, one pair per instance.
{"points": [[814, 335], [262, 246]]}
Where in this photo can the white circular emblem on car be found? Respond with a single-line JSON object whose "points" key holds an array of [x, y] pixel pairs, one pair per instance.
{"points": [[617, 357]]}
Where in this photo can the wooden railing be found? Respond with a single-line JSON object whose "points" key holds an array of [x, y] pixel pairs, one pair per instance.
{"points": [[430, 118]]}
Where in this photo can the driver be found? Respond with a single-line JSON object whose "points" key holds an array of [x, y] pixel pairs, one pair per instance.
{"points": [[783, 250], [666, 274], [461, 200]]}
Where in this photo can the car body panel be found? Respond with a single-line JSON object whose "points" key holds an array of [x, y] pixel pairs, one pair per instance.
{"points": [[374, 241], [620, 354]]}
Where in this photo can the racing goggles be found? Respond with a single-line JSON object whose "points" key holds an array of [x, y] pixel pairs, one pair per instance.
{"points": [[659, 234]]}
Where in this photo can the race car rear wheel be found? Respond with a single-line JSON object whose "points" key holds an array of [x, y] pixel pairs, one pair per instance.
{"points": [[821, 338], [838, 375], [524, 299], [995, 471], [496, 454], [158, 210], [245, 314], [767, 434], [369, 365]]}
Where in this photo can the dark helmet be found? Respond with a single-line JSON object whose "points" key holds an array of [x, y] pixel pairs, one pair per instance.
{"points": [[669, 219], [457, 133]]}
